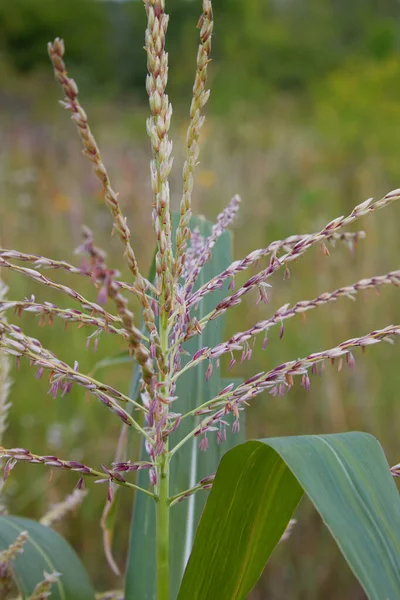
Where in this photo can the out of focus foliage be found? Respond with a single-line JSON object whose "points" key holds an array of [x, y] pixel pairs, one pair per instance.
{"points": [[351, 104], [258, 45], [27, 25]]}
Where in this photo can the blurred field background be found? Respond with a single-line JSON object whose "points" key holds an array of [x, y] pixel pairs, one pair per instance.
{"points": [[304, 123]]}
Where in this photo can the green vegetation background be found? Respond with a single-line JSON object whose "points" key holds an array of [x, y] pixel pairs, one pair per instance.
{"points": [[304, 122]]}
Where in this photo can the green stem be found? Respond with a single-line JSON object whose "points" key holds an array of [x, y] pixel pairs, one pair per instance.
{"points": [[162, 507], [184, 440], [162, 523], [174, 499]]}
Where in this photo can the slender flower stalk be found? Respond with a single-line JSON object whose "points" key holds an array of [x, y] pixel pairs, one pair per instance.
{"points": [[192, 253], [395, 470], [277, 382], [43, 262], [111, 290], [15, 548], [204, 484], [223, 221], [43, 588], [201, 252], [59, 510], [157, 128], [199, 100], [47, 311], [5, 405], [62, 376], [300, 246], [7, 556], [239, 341], [5, 381], [15, 455], [298, 250], [280, 379], [288, 531], [120, 458], [349, 238], [90, 148], [87, 305]]}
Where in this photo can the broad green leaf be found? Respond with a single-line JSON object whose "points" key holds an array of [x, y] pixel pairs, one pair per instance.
{"points": [[47, 551], [190, 464], [256, 490]]}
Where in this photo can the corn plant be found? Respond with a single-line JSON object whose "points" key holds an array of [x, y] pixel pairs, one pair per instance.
{"points": [[187, 541]]}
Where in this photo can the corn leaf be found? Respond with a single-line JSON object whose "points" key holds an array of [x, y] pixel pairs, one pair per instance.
{"points": [[256, 490], [45, 550]]}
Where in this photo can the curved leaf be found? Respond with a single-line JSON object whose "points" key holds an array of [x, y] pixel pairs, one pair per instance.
{"points": [[45, 550], [256, 490]]}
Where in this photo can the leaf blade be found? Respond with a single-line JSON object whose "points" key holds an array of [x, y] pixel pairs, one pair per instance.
{"points": [[347, 478], [45, 550]]}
